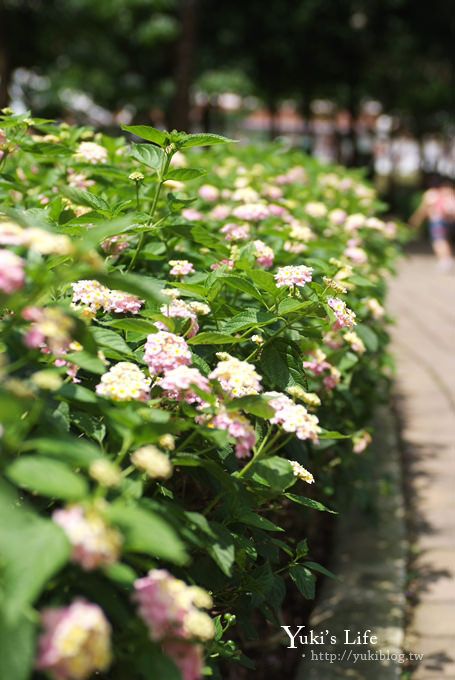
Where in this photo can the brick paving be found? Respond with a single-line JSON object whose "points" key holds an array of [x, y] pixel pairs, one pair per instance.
{"points": [[422, 300]]}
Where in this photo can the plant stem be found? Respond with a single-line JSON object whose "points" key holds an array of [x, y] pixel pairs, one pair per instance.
{"points": [[161, 178]]}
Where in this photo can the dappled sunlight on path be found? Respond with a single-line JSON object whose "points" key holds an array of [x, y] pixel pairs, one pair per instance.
{"points": [[422, 301]]}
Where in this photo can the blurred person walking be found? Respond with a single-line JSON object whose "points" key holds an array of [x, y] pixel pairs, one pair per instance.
{"points": [[438, 206]]}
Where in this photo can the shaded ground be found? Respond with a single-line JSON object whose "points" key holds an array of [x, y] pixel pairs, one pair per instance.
{"points": [[422, 301]]}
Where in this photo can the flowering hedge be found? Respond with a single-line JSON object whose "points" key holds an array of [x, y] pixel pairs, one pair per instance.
{"points": [[182, 356]]}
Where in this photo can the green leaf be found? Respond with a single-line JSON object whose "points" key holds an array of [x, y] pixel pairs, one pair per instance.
{"points": [[77, 393], [248, 319], [112, 341], [331, 434], [274, 366], [77, 452], [137, 325], [368, 336], [301, 548], [148, 154], [254, 403], [177, 202], [221, 546], [183, 174], [304, 580], [309, 503], [47, 477], [213, 338], [143, 286], [203, 236], [147, 532], [204, 139], [274, 472], [120, 573], [255, 520], [289, 305], [86, 361], [17, 648], [149, 133], [153, 664], [222, 549], [318, 567], [263, 280], [33, 549], [240, 284], [81, 197]]}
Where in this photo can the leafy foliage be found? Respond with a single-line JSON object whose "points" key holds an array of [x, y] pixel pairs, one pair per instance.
{"points": [[107, 257]]}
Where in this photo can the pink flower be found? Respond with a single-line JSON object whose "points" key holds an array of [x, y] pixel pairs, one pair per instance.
{"points": [[124, 382], [94, 542], [12, 275], [187, 657], [357, 255], [276, 210], [253, 212], [208, 192], [293, 417], [90, 293], [220, 212], [317, 364], [10, 234], [345, 317], [333, 340], [114, 245], [165, 351], [165, 603], [332, 380], [274, 193], [235, 232], [361, 441], [236, 377], [293, 275], [192, 214], [239, 428], [75, 642], [51, 328], [34, 337], [123, 303], [264, 254], [229, 264], [79, 179], [177, 384], [71, 370], [181, 267], [337, 216], [179, 308]]}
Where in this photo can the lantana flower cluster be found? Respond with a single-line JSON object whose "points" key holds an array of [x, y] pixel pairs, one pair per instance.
{"points": [[172, 613], [94, 543], [345, 317], [293, 417], [75, 642], [237, 378], [124, 382], [291, 275], [165, 351], [95, 296]]}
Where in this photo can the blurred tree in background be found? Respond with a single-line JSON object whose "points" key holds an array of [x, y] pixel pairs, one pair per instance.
{"points": [[147, 54]]}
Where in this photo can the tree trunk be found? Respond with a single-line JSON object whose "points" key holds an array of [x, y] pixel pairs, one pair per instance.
{"points": [[5, 70], [273, 129], [179, 115]]}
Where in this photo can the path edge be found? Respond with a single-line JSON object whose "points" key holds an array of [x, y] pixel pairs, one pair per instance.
{"points": [[371, 563]]}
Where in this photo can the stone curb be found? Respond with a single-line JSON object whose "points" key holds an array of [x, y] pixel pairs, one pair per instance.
{"points": [[370, 561]]}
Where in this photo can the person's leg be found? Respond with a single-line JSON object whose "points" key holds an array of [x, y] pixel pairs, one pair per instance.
{"points": [[441, 245]]}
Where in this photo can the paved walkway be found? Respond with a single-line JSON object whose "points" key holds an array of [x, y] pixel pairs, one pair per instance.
{"points": [[422, 300]]}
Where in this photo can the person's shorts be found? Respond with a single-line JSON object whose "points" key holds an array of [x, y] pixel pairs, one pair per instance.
{"points": [[441, 229]]}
